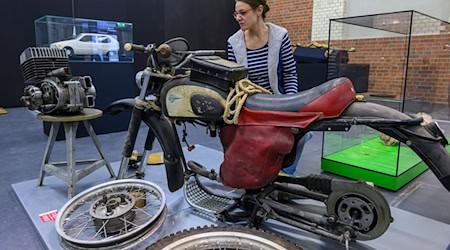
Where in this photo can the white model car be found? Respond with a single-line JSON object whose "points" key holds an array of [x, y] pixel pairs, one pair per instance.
{"points": [[89, 44]]}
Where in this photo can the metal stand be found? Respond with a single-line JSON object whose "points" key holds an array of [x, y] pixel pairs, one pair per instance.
{"points": [[71, 175]]}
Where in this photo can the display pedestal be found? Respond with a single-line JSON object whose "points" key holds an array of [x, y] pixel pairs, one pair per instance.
{"points": [[374, 162], [408, 231]]}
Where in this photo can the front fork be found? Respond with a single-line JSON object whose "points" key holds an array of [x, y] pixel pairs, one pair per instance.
{"points": [[162, 129], [133, 127], [130, 141], [147, 148]]}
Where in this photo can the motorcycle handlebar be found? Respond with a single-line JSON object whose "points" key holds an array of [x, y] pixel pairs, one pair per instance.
{"points": [[203, 52], [198, 53], [206, 52], [163, 50], [166, 51], [134, 47]]}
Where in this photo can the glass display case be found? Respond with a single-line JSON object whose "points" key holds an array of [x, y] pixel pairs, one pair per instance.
{"points": [[407, 55], [85, 39]]}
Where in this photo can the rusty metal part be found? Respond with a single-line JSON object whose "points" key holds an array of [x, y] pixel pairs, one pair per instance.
{"points": [[54, 95], [141, 198], [111, 211], [360, 207], [164, 50]]}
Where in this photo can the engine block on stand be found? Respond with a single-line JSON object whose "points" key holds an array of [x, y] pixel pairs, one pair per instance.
{"points": [[52, 87]]}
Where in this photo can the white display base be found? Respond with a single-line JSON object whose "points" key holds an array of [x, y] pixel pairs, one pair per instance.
{"points": [[408, 231]]}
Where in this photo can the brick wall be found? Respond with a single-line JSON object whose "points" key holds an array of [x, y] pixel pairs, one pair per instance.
{"points": [[429, 65], [430, 68], [428, 71], [306, 20], [424, 25], [421, 24], [294, 15]]}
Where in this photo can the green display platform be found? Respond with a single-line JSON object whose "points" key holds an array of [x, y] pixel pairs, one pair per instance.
{"points": [[390, 167]]}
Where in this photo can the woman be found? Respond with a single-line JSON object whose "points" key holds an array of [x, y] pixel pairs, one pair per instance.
{"points": [[265, 49]]}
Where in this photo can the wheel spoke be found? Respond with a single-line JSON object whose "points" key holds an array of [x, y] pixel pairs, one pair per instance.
{"points": [[143, 211], [129, 222], [85, 214], [104, 229], [149, 207], [99, 230], [125, 224], [84, 226]]}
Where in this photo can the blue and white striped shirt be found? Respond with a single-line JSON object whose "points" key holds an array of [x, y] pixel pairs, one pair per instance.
{"points": [[258, 73]]}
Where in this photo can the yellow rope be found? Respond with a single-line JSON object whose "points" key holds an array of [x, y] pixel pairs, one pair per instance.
{"points": [[236, 99]]}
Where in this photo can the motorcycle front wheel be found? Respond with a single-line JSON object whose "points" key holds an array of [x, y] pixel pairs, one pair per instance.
{"points": [[223, 237], [113, 215]]}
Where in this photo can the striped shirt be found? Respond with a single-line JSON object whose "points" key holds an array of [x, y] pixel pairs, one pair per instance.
{"points": [[258, 73]]}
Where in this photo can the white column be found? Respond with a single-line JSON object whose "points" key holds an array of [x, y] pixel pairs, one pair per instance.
{"points": [[323, 11]]}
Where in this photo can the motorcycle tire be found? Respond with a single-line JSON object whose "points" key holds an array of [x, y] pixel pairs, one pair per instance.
{"points": [[223, 237]]}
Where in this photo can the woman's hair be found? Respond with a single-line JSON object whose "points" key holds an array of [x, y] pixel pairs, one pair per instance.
{"points": [[255, 3]]}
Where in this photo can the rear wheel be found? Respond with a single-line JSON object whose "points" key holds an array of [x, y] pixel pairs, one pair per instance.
{"points": [[223, 237], [361, 208]]}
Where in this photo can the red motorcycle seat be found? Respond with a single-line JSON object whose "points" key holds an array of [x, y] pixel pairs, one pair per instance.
{"points": [[327, 100], [293, 102]]}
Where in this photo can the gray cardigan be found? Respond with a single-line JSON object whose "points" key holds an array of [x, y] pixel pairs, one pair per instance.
{"points": [[276, 34]]}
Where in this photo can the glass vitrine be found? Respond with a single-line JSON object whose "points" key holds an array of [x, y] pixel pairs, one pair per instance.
{"points": [[85, 39], [406, 57]]}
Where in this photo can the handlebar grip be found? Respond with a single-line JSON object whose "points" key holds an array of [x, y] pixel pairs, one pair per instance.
{"points": [[134, 47]]}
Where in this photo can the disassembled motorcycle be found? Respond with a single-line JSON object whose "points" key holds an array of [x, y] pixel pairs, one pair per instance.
{"points": [[261, 142]]}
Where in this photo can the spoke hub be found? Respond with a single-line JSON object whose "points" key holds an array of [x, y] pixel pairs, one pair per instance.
{"points": [[113, 211]]}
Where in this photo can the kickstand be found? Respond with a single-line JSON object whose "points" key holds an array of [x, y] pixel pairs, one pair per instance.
{"points": [[189, 147]]}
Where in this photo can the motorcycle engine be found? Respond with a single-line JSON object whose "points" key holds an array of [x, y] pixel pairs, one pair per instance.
{"points": [[54, 95], [52, 88]]}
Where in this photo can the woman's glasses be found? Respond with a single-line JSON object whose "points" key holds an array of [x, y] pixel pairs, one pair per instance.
{"points": [[241, 13]]}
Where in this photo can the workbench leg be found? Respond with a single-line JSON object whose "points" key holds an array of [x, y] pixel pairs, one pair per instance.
{"points": [[48, 150], [70, 129], [91, 132]]}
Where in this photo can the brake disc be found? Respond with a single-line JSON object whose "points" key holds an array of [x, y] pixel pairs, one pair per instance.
{"points": [[360, 207]]}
